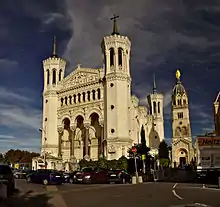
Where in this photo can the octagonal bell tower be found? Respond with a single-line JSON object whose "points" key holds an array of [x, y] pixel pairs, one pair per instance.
{"points": [[54, 68], [117, 92]]}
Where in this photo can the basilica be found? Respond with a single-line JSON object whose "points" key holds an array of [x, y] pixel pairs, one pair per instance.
{"points": [[91, 113]]}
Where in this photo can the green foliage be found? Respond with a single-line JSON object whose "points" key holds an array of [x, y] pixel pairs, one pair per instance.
{"points": [[14, 156], [143, 139], [164, 162], [102, 163], [112, 164], [83, 163], [163, 150], [123, 163], [106, 164]]}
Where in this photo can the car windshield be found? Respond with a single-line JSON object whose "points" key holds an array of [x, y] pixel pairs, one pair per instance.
{"points": [[87, 169], [4, 169]]}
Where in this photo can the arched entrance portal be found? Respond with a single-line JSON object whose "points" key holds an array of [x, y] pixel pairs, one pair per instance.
{"points": [[183, 157]]}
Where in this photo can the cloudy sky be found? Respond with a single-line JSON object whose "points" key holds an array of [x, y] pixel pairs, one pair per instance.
{"points": [[165, 35]]}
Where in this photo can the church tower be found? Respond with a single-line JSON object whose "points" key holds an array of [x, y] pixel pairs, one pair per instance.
{"points": [[54, 68], [117, 92], [182, 151], [155, 102]]}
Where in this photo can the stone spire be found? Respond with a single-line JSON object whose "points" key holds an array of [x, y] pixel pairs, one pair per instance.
{"points": [[154, 85], [54, 47]]}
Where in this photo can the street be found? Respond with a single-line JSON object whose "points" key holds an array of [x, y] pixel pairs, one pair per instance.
{"points": [[112, 195]]}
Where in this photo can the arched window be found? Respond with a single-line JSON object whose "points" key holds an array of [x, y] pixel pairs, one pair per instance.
{"points": [[99, 93], [120, 56], [184, 101], [60, 75], [61, 101], [88, 95], [70, 99], [112, 54], [84, 96], [74, 98], [66, 100], [79, 97], [179, 102], [155, 107], [48, 77], [93, 94], [54, 77], [158, 107]]}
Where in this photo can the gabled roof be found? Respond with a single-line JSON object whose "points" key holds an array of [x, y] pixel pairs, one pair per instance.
{"points": [[79, 77]]}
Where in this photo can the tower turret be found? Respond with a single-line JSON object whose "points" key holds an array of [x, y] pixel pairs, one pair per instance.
{"points": [[155, 102], [182, 151], [117, 94], [54, 68]]}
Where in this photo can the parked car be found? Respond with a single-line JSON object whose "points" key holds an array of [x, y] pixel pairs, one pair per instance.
{"points": [[91, 175], [118, 176], [46, 177], [19, 174], [7, 178], [70, 177]]}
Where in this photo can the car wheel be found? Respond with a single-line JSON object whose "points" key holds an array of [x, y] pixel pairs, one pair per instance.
{"points": [[123, 181], [45, 182], [71, 181], [28, 179]]}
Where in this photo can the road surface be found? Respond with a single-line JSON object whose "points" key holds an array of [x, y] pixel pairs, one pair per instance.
{"points": [[113, 195]]}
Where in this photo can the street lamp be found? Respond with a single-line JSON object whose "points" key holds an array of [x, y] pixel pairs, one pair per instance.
{"points": [[45, 139]]}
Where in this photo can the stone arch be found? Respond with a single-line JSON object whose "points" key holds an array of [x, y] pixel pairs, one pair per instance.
{"points": [[64, 116], [60, 74], [78, 113], [182, 156], [112, 56], [120, 56], [80, 121], [66, 123], [48, 77], [54, 76], [97, 111], [178, 132]]}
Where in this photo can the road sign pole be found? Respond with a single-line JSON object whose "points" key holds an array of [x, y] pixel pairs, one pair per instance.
{"points": [[135, 164]]}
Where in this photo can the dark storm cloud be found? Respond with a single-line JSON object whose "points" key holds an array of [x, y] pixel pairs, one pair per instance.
{"points": [[165, 35]]}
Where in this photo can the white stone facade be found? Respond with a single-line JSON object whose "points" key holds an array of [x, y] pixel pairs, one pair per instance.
{"points": [[182, 150], [91, 112]]}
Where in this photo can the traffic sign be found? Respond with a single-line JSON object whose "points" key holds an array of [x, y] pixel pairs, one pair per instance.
{"points": [[134, 149], [143, 157]]}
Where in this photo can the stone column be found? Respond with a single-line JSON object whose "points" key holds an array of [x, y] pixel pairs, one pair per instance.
{"points": [[86, 143], [102, 142], [60, 134], [73, 129]]}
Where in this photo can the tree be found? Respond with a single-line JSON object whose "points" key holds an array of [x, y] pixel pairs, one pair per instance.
{"points": [[163, 150], [123, 163], [142, 148]]}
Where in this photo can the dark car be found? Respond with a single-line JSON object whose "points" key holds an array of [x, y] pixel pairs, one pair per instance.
{"points": [[46, 177], [69, 177], [118, 176], [91, 175], [19, 174], [7, 178]]}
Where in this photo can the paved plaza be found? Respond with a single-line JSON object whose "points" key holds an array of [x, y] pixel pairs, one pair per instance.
{"points": [[111, 195]]}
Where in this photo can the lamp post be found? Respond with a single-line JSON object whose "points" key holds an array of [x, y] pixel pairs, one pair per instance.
{"points": [[45, 139]]}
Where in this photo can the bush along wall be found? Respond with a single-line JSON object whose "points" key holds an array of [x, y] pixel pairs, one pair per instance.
{"points": [[121, 163]]}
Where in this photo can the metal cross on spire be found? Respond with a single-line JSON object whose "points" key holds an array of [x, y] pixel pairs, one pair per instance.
{"points": [[115, 27], [54, 46]]}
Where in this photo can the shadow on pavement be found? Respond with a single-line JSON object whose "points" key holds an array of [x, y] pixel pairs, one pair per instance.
{"points": [[27, 200]]}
